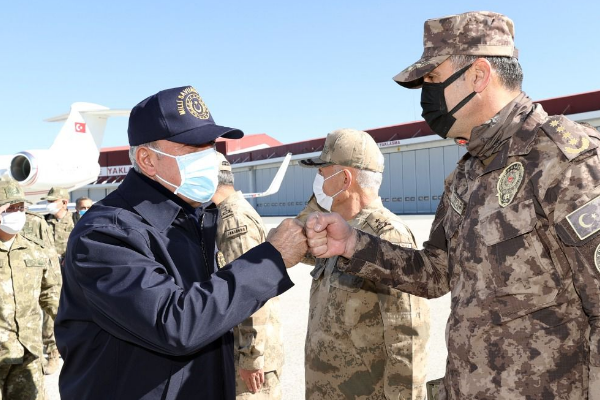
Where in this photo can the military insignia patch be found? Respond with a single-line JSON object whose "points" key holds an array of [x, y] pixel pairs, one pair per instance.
{"points": [[189, 101], [597, 258], [571, 144], [227, 214], [508, 183], [585, 221], [457, 204], [236, 231]]}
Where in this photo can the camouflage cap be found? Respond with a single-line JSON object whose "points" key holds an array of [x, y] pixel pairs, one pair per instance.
{"points": [[477, 33], [11, 192], [350, 148], [57, 193], [224, 165]]}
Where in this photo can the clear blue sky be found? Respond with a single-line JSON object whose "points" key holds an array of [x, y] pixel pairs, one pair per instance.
{"points": [[292, 69]]}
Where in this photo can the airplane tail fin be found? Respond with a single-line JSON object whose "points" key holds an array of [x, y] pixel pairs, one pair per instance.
{"points": [[83, 129], [276, 183]]}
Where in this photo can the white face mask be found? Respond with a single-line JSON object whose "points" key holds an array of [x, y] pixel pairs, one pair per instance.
{"points": [[199, 174], [322, 199], [13, 222], [53, 208]]}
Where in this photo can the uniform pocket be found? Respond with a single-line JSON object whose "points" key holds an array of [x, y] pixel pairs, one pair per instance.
{"points": [[523, 271], [347, 282], [36, 262]]}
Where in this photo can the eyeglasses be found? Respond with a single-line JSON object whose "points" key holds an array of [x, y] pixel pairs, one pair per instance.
{"points": [[16, 207]]}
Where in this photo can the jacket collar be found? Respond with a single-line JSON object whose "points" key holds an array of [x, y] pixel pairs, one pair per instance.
{"points": [[364, 213], [152, 201]]}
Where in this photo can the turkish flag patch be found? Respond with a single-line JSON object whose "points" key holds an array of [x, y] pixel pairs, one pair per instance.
{"points": [[80, 127]]}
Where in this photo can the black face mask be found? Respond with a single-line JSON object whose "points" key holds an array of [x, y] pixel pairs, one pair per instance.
{"points": [[433, 102]]}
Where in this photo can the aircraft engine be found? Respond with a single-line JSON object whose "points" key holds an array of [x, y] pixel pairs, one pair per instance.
{"points": [[47, 168]]}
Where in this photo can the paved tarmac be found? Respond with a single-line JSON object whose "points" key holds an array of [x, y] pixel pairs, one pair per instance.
{"points": [[294, 306]]}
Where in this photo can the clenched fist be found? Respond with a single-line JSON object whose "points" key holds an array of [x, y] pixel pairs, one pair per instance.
{"points": [[288, 238], [329, 235]]}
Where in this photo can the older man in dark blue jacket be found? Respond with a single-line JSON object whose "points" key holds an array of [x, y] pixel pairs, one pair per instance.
{"points": [[144, 314]]}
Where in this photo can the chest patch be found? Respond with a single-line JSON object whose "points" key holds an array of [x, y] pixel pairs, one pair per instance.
{"points": [[508, 183], [597, 258], [585, 221], [457, 204], [236, 231]]}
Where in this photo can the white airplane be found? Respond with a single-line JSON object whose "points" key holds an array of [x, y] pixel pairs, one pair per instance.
{"points": [[71, 161]]}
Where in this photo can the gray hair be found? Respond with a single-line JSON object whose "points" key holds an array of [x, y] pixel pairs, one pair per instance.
{"points": [[369, 179], [508, 68], [226, 178], [81, 200], [133, 150]]}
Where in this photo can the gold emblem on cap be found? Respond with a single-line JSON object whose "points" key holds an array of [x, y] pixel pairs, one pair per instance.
{"points": [[508, 183], [189, 100], [597, 258]]}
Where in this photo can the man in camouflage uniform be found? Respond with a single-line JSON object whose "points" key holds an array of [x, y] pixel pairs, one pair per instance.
{"points": [[61, 223], [364, 340], [516, 238], [28, 279], [258, 341]]}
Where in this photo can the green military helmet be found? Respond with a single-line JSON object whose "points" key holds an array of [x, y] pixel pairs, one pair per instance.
{"points": [[11, 192]]}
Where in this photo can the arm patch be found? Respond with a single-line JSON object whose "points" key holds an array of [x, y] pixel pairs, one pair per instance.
{"points": [[236, 231]]}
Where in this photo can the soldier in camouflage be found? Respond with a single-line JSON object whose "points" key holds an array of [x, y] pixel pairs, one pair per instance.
{"points": [[28, 279], [61, 223], [365, 340], [516, 238], [258, 341]]}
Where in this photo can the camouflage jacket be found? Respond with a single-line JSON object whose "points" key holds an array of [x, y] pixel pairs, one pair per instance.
{"points": [[61, 229], [29, 279], [365, 338], [516, 239], [258, 340]]}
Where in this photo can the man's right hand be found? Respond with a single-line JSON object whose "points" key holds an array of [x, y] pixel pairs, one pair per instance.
{"points": [[288, 238], [329, 235]]}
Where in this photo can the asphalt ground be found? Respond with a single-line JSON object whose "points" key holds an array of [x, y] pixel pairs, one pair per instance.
{"points": [[294, 306]]}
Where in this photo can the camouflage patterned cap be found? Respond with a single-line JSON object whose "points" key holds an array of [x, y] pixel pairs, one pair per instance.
{"points": [[350, 148], [224, 165], [477, 33], [11, 192], [57, 193]]}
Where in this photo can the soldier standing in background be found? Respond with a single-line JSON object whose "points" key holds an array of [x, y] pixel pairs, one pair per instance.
{"points": [[29, 278], [82, 204], [364, 340], [60, 222], [258, 341], [516, 237]]}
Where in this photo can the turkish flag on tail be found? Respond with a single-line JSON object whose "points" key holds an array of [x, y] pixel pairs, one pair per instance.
{"points": [[80, 127]]}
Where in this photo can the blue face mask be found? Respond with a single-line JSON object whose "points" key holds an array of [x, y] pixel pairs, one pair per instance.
{"points": [[199, 174], [81, 212]]}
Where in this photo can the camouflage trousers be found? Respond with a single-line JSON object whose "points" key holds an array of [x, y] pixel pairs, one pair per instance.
{"points": [[48, 334], [22, 381], [364, 341], [271, 389]]}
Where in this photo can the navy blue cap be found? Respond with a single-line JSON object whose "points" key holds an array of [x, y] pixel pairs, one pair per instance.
{"points": [[177, 115]]}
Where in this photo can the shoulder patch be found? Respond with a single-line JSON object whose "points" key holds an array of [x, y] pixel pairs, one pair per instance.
{"points": [[236, 231], [378, 222], [227, 213], [570, 137], [585, 221]]}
